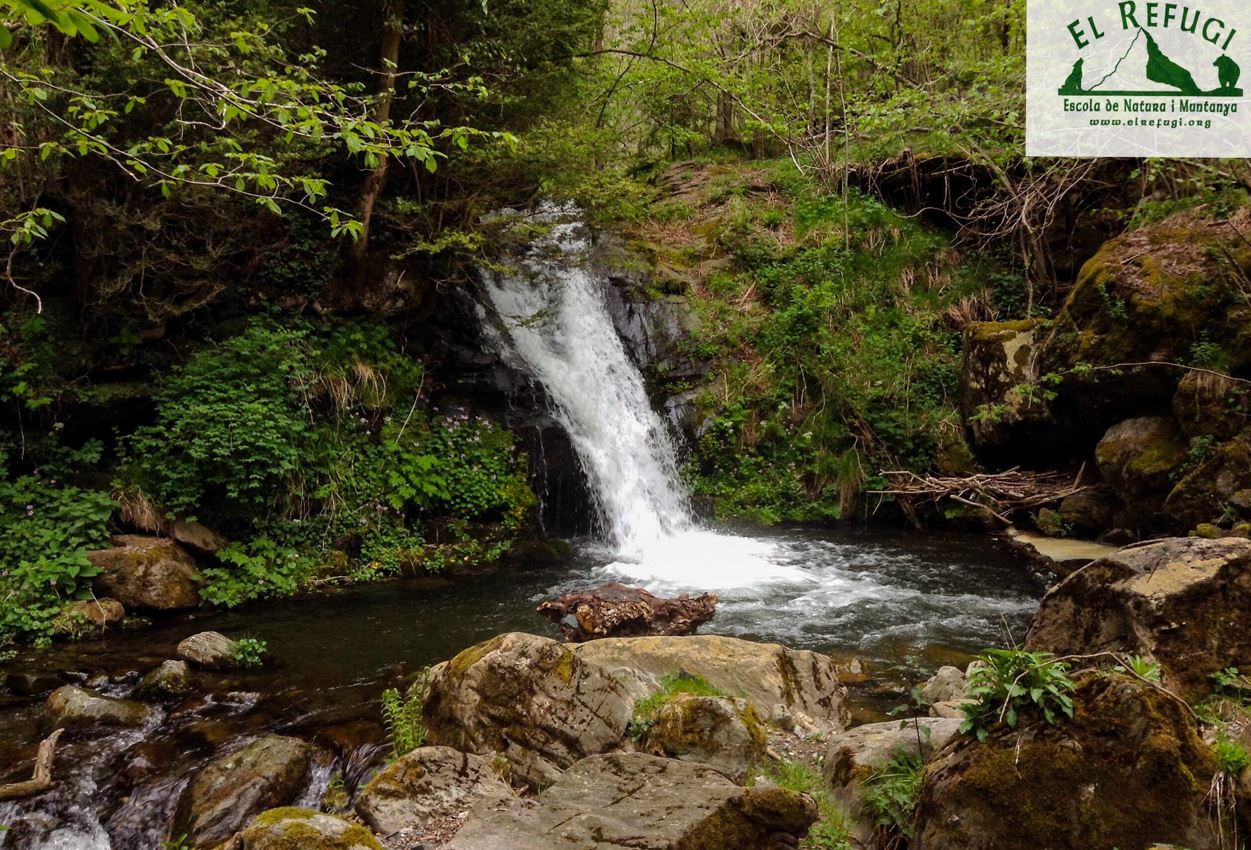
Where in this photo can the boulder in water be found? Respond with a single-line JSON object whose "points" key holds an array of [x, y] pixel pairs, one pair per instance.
{"points": [[212, 650], [616, 610], [227, 792], [72, 707], [171, 679], [642, 801], [805, 684]]}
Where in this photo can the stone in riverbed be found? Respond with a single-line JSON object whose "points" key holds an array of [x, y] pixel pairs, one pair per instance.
{"points": [[227, 792], [1138, 458], [644, 802], [147, 573], [212, 650], [171, 679], [88, 615], [1182, 602], [303, 829], [425, 786], [615, 610], [72, 707]]}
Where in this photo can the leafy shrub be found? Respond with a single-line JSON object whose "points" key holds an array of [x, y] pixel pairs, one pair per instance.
{"points": [[46, 530], [249, 652], [1141, 667], [1010, 682], [890, 797], [1231, 757], [260, 569], [230, 425], [402, 715]]}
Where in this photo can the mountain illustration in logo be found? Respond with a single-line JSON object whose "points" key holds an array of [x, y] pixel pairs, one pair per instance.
{"points": [[1144, 64]]}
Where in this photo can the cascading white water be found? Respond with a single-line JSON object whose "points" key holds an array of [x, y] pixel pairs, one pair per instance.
{"points": [[558, 326]]}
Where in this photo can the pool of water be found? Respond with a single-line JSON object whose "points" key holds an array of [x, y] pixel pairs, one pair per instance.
{"points": [[904, 603]]}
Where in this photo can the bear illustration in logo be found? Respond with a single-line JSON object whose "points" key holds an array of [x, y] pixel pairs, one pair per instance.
{"points": [[1228, 71]]}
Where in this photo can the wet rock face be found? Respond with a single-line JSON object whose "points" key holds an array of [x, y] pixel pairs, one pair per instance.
{"points": [[615, 610], [425, 786], [72, 707], [227, 792], [1181, 602], [147, 573], [644, 802], [1129, 772], [1138, 458], [724, 733], [530, 699], [303, 829]]}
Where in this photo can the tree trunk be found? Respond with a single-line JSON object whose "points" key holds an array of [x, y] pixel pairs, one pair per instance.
{"points": [[389, 54]]}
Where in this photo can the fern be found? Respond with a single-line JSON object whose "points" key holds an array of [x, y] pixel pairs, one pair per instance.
{"points": [[402, 715]]}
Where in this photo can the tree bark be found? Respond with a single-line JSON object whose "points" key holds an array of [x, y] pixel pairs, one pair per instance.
{"points": [[389, 54]]}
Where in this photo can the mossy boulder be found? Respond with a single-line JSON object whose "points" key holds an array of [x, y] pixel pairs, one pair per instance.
{"points": [[147, 573], [426, 785], [1139, 459], [1212, 405], [725, 733], [530, 699], [1209, 492], [1163, 293], [1129, 771], [89, 615], [1003, 405], [171, 679], [303, 829], [231, 789], [1091, 511], [645, 802], [1182, 602]]}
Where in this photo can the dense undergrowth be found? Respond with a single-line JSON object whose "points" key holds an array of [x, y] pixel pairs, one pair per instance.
{"points": [[831, 326], [311, 446]]}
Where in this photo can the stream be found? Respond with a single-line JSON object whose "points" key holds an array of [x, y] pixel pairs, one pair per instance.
{"points": [[902, 603]]}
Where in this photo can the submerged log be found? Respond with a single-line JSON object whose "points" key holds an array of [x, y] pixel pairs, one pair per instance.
{"points": [[616, 610], [42, 779]]}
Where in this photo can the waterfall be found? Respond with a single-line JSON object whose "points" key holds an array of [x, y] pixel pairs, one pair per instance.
{"points": [[554, 324]]}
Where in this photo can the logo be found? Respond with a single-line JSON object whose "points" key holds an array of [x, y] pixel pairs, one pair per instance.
{"points": [[1134, 78]]}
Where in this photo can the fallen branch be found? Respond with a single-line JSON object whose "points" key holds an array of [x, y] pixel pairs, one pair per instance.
{"points": [[41, 780], [1000, 493]]}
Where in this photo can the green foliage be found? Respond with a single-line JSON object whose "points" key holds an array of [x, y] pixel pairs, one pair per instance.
{"points": [[671, 685], [831, 831], [1009, 683], [1231, 757], [230, 425], [1141, 667], [402, 715], [260, 569], [249, 652], [891, 794], [46, 529], [1231, 682], [830, 360]]}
